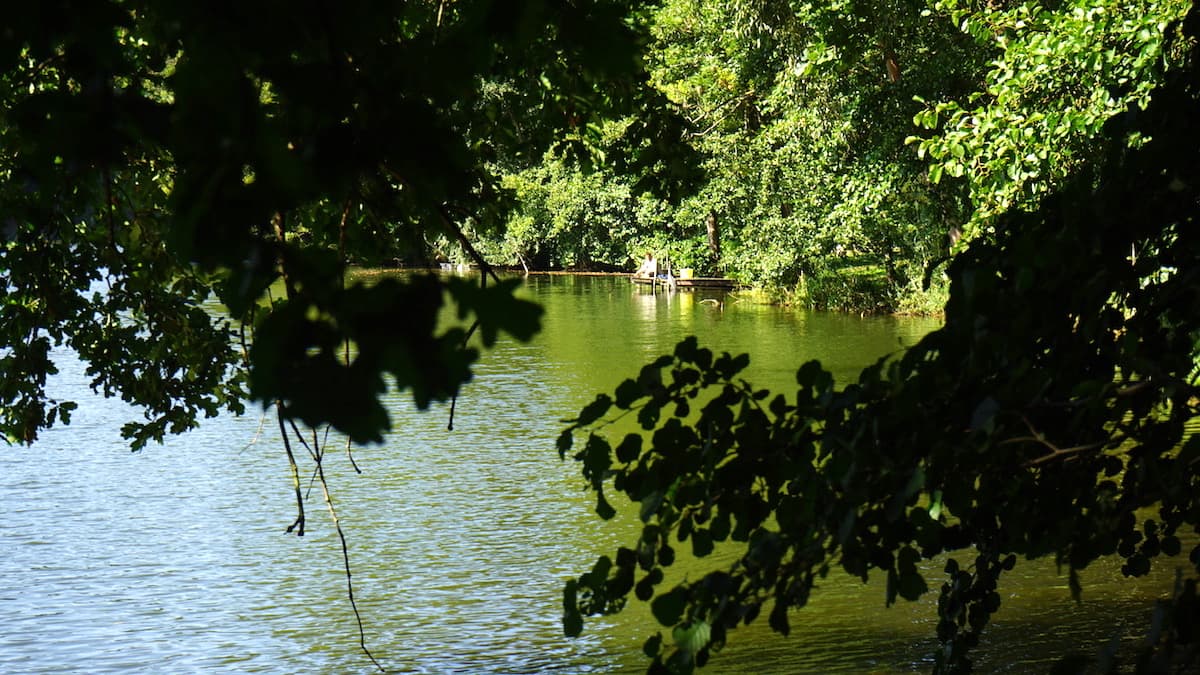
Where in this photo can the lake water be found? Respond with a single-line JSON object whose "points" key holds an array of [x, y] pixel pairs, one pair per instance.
{"points": [[175, 559]]}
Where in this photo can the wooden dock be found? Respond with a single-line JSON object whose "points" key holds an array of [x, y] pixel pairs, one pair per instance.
{"points": [[694, 282]]}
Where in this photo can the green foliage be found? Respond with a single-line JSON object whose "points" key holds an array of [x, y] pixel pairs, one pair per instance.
{"points": [[787, 137], [1061, 72], [570, 218], [799, 118], [66, 277], [604, 210], [1053, 416], [154, 153]]}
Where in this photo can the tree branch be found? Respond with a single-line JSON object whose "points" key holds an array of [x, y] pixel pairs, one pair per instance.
{"points": [[337, 525], [484, 268], [1055, 451], [297, 524]]}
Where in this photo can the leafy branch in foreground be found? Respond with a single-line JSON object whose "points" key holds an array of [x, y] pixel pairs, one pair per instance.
{"points": [[1051, 417], [157, 156]]}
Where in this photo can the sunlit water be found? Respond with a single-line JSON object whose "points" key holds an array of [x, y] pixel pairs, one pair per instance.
{"points": [[175, 559]]}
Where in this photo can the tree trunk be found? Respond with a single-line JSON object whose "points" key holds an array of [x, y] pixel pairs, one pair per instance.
{"points": [[714, 237], [890, 61]]}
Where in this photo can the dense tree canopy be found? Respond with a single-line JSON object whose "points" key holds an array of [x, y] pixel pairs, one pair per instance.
{"points": [[1057, 78], [154, 154], [842, 147]]}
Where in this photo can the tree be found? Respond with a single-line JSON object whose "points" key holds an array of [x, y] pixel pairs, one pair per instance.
{"points": [[846, 147], [789, 144], [1058, 76], [1052, 416], [800, 113], [156, 153], [165, 152], [570, 218]]}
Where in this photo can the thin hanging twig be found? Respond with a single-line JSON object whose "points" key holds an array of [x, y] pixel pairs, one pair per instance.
{"points": [[485, 270], [298, 524], [350, 455], [337, 525], [300, 437], [262, 423], [454, 396]]}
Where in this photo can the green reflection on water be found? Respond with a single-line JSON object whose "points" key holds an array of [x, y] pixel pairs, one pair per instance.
{"points": [[606, 328]]}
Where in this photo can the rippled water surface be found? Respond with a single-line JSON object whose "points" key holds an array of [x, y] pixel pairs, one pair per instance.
{"points": [[175, 559]]}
